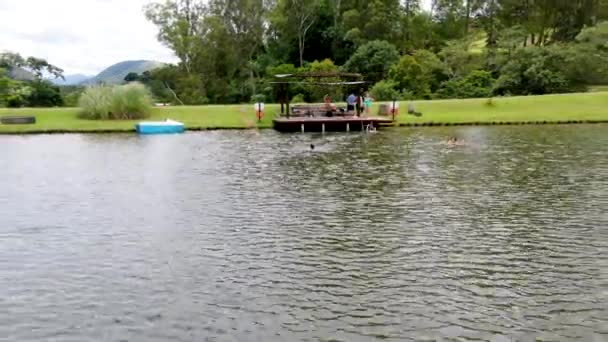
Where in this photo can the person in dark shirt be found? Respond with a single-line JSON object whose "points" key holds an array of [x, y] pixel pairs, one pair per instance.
{"points": [[359, 103]]}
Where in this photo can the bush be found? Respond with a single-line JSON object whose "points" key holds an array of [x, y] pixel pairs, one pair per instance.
{"points": [[15, 101], [537, 71], [385, 91], [44, 94], [298, 99], [479, 83], [125, 102], [419, 74], [257, 98]]}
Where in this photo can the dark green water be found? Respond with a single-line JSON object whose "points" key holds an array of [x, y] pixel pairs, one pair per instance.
{"points": [[246, 236]]}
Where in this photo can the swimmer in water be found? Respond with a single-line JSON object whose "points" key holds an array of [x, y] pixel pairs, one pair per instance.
{"points": [[312, 146], [453, 141]]}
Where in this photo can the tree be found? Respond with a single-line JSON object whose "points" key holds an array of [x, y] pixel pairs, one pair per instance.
{"points": [[180, 25], [44, 94], [12, 92], [244, 22], [296, 17], [536, 71], [450, 17], [458, 60], [131, 77], [597, 36], [229, 48], [37, 66], [420, 74], [373, 60]]}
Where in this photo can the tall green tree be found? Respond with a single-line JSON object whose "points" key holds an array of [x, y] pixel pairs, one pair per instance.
{"points": [[180, 27], [295, 18], [373, 60], [37, 66]]}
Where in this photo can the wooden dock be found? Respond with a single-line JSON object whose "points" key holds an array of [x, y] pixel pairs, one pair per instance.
{"points": [[329, 124]]}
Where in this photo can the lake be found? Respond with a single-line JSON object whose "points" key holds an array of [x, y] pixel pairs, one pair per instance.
{"points": [[253, 236]]}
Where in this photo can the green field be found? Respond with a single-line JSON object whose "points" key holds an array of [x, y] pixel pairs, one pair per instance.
{"points": [[550, 108]]}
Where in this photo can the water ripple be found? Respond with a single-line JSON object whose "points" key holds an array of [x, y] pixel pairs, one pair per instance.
{"points": [[239, 236]]}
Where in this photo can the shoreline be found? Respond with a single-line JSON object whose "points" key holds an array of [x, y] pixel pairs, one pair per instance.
{"points": [[578, 108], [397, 125]]}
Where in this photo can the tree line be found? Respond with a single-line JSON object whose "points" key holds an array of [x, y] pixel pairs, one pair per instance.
{"points": [[229, 50], [34, 90]]}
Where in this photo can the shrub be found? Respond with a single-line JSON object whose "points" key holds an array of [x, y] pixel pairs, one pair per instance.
{"points": [[15, 101], [125, 102], [385, 91], [537, 71], [479, 83], [44, 94], [257, 98], [298, 99], [419, 74]]}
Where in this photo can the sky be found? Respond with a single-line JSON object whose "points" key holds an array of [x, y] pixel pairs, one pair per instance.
{"points": [[81, 36]]}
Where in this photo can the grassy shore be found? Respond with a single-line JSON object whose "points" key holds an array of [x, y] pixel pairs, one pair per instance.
{"points": [[549, 108]]}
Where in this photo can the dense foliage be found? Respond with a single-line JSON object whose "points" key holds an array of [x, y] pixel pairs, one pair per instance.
{"points": [[124, 102], [229, 50], [22, 83]]}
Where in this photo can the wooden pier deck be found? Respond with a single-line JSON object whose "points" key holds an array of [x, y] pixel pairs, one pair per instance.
{"points": [[329, 124]]}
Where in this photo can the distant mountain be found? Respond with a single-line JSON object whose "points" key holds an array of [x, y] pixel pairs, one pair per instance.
{"points": [[116, 73], [71, 79], [21, 74]]}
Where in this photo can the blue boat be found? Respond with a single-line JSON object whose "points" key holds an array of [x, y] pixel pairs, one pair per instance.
{"points": [[159, 127]]}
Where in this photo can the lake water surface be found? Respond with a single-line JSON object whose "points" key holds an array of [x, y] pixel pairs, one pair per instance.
{"points": [[251, 236]]}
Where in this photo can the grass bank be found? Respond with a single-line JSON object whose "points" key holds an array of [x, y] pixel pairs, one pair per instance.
{"points": [[550, 108]]}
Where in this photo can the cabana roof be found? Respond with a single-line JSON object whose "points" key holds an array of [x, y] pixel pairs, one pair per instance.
{"points": [[320, 83], [320, 75]]}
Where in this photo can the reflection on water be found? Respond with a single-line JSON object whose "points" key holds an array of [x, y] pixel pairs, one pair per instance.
{"points": [[251, 236]]}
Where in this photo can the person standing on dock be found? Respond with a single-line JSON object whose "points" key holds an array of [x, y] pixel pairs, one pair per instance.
{"points": [[368, 103], [350, 103], [359, 103], [329, 111]]}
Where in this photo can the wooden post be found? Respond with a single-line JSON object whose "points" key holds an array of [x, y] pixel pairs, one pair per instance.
{"points": [[393, 111], [302, 127], [259, 111], [348, 127], [323, 128]]}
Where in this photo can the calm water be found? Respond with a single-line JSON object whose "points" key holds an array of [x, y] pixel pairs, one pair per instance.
{"points": [[247, 236]]}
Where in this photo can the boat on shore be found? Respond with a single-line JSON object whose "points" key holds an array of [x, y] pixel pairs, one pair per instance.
{"points": [[160, 127]]}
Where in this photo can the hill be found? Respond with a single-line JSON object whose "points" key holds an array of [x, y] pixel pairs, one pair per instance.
{"points": [[20, 74], [116, 73]]}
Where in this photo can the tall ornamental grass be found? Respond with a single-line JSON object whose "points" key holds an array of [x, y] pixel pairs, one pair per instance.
{"points": [[124, 102]]}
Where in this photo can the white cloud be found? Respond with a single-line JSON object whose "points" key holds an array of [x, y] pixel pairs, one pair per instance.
{"points": [[80, 36]]}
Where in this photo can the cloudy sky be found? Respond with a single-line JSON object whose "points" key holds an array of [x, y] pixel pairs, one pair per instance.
{"points": [[80, 36]]}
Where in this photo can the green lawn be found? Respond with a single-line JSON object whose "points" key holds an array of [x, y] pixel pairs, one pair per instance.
{"points": [[598, 88], [585, 106], [194, 117], [552, 108]]}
